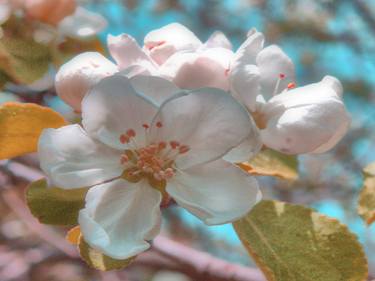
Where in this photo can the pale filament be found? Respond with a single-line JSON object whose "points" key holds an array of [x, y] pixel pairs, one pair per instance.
{"points": [[281, 77]]}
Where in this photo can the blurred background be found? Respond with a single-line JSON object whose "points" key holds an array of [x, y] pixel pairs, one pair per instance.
{"points": [[335, 37]]}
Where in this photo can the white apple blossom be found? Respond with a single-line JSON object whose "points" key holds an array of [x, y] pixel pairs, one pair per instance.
{"points": [[309, 119], [253, 74], [143, 142]]}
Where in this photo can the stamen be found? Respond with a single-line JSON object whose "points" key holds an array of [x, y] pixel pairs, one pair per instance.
{"points": [[145, 126], [281, 75], [162, 145], [183, 149], [159, 124], [174, 144], [124, 139], [291, 85], [130, 133]]}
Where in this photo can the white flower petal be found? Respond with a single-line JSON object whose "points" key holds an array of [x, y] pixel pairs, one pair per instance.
{"points": [[217, 192], [247, 52], [218, 40], [113, 107], [126, 52], [310, 119], [208, 120], [71, 159], [76, 77], [245, 85], [120, 217], [207, 68], [164, 42], [82, 24], [272, 62], [156, 88]]}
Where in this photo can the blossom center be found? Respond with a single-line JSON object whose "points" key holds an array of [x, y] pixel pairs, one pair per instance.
{"points": [[155, 161]]}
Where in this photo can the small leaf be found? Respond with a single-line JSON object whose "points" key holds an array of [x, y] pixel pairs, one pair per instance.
{"points": [[53, 205], [272, 163], [21, 126], [73, 235], [98, 260], [294, 243], [366, 202], [23, 59]]}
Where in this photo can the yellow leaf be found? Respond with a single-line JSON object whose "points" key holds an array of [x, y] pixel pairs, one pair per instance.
{"points": [[272, 163], [98, 260], [73, 235], [294, 243], [366, 202], [21, 126]]}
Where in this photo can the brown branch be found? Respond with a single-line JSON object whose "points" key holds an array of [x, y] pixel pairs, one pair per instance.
{"points": [[164, 254]]}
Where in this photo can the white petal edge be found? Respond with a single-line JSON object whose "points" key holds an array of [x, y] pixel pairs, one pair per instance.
{"points": [[217, 192], [210, 121], [121, 217], [71, 159]]}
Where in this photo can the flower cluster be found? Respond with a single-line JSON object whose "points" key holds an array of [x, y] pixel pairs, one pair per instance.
{"points": [[167, 120], [309, 119]]}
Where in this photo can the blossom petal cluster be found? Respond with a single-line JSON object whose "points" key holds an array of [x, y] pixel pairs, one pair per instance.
{"points": [[144, 142], [308, 119]]}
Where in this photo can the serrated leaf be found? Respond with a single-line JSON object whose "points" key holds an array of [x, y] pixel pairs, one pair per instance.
{"points": [[294, 243], [23, 59], [98, 260], [272, 163], [366, 202], [21, 125], [53, 205]]}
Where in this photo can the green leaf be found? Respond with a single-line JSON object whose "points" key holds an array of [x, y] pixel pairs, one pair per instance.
{"points": [[98, 260], [366, 202], [53, 205], [294, 243], [23, 59], [272, 163]]}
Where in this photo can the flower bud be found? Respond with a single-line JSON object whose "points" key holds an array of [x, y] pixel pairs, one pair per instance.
{"points": [[309, 119], [49, 11], [164, 42], [76, 77]]}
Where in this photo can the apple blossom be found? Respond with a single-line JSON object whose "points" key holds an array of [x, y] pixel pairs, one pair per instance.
{"points": [[143, 142], [309, 119]]}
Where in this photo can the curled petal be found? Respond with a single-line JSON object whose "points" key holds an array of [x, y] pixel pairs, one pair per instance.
{"points": [[164, 42], [218, 40], [71, 159], [245, 85], [126, 52], [307, 119], [120, 217], [82, 24], [208, 68], [76, 77], [247, 52], [273, 63], [208, 121], [217, 192]]}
